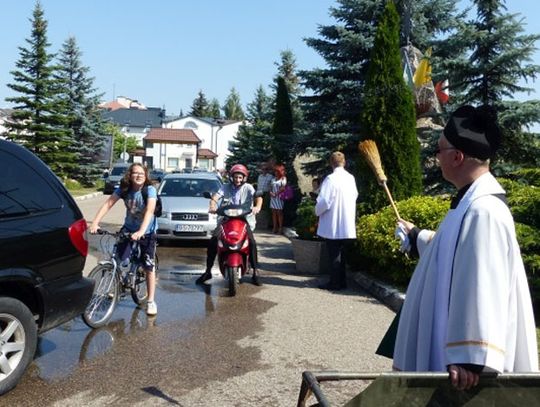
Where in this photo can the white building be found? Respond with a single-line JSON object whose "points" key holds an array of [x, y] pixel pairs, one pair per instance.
{"points": [[171, 149], [216, 136]]}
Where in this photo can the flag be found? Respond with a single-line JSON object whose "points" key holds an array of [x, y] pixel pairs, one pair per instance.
{"points": [[441, 89], [422, 75]]}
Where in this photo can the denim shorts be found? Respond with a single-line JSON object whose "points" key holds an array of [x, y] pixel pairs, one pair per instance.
{"points": [[148, 250]]}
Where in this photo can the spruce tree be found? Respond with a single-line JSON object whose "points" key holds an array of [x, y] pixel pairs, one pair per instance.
{"points": [[199, 107], [38, 120], [81, 108], [498, 58], [232, 109], [388, 117], [214, 110], [333, 110], [252, 144]]}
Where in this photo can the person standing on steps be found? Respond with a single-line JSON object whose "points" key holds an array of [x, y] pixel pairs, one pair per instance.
{"points": [[336, 209]]}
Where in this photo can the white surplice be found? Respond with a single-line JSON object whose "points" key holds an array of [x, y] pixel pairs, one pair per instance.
{"points": [[468, 300], [336, 206]]}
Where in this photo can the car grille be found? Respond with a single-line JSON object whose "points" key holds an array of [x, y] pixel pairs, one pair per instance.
{"points": [[196, 217]]}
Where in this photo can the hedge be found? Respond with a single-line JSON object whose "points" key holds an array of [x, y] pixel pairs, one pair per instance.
{"points": [[377, 252]]}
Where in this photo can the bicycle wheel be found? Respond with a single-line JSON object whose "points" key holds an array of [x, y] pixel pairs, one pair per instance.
{"points": [[139, 289], [105, 297]]}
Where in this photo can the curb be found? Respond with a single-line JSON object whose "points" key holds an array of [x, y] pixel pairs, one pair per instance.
{"points": [[388, 295], [87, 196]]}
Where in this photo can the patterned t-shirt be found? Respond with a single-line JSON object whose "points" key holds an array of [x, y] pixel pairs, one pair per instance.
{"points": [[135, 207]]}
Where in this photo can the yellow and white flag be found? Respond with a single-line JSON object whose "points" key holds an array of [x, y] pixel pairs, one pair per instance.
{"points": [[422, 75]]}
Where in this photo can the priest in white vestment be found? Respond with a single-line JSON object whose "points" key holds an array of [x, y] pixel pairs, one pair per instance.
{"points": [[468, 306]]}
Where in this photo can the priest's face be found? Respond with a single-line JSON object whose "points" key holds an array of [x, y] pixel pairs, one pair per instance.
{"points": [[446, 154]]}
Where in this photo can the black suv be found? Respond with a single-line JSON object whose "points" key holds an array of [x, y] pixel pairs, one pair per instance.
{"points": [[43, 249]]}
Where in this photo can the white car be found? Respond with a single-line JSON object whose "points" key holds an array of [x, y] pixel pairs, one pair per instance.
{"points": [[185, 209]]}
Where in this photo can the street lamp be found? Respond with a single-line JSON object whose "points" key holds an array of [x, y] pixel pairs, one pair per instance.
{"points": [[124, 152]]}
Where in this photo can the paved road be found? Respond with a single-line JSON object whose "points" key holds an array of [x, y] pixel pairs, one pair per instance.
{"points": [[206, 349]]}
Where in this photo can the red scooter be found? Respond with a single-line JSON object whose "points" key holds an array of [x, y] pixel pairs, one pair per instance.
{"points": [[233, 243]]}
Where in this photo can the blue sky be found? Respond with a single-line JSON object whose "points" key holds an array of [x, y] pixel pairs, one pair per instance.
{"points": [[163, 52]]}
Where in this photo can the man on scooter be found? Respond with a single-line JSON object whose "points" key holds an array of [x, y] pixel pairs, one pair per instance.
{"points": [[238, 192]]}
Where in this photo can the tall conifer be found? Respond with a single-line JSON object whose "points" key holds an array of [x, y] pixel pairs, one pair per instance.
{"points": [[38, 121], [388, 117], [81, 101]]}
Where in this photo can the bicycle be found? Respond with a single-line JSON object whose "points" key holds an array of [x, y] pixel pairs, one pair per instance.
{"points": [[113, 278]]}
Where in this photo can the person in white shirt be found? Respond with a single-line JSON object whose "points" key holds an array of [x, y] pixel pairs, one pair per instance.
{"points": [[264, 181], [468, 306], [336, 209]]}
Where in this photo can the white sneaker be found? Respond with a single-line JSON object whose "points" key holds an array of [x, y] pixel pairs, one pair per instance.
{"points": [[151, 308]]}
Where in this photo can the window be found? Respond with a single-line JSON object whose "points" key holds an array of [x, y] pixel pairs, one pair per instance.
{"points": [[189, 163], [191, 125], [24, 191], [172, 162]]}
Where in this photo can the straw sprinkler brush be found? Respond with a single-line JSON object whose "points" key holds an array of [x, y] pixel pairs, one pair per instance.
{"points": [[368, 148]]}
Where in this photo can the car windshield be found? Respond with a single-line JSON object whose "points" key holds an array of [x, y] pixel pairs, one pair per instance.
{"points": [[188, 187], [118, 170]]}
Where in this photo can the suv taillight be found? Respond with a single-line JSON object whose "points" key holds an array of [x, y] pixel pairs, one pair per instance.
{"points": [[77, 234]]}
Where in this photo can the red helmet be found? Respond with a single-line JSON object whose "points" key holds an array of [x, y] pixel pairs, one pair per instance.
{"points": [[241, 169]]}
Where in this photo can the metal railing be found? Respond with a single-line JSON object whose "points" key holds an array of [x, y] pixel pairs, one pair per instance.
{"points": [[426, 389]]}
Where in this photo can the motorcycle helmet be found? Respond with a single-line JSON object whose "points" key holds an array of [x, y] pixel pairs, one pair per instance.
{"points": [[240, 169]]}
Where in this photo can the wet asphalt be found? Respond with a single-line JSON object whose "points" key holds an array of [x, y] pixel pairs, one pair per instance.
{"points": [[205, 348]]}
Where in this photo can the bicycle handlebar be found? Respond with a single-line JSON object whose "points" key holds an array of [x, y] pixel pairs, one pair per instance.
{"points": [[119, 234]]}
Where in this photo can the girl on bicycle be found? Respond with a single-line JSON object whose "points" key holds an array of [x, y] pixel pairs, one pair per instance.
{"points": [[140, 198]]}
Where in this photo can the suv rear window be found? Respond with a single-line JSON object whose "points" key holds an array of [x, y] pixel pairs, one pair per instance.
{"points": [[23, 191], [118, 170]]}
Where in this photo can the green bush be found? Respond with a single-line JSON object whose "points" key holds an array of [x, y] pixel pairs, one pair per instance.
{"points": [[306, 221], [529, 244], [376, 249], [530, 176], [72, 184], [524, 201]]}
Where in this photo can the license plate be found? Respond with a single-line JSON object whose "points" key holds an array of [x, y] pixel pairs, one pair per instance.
{"points": [[189, 228]]}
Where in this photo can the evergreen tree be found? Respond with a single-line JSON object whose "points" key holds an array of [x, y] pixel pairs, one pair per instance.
{"points": [[252, 144], [38, 122], [282, 128], [81, 102], [333, 110], [388, 117], [232, 109], [287, 69], [498, 58], [283, 140], [199, 108], [214, 110]]}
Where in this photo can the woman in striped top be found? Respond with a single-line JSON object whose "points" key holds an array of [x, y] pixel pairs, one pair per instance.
{"points": [[277, 185]]}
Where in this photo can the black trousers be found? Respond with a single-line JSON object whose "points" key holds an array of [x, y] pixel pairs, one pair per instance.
{"points": [[336, 254], [211, 253]]}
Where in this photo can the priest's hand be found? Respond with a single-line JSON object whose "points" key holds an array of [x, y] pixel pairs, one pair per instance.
{"points": [[461, 378], [406, 225]]}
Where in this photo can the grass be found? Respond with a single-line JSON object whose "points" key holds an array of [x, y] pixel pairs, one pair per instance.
{"points": [[75, 189], [83, 191]]}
